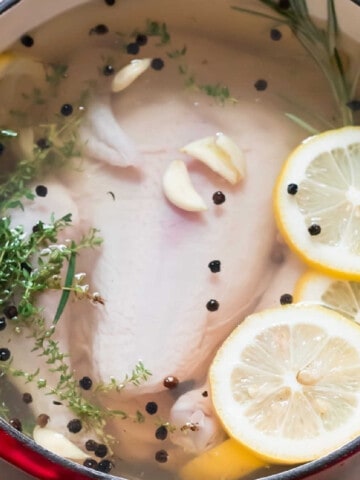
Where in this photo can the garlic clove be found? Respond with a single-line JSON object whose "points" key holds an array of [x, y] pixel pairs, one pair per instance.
{"points": [[236, 155], [179, 189], [207, 151], [57, 443], [128, 74]]}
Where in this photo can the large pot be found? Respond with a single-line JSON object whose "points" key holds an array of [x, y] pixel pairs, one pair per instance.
{"points": [[17, 17]]}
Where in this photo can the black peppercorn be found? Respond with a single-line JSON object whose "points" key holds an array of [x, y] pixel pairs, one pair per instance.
{"points": [[157, 64], [2, 148], [314, 229], [108, 70], [10, 311], [100, 29], [90, 463], [110, 2], [101, 450], [286, 299], [132, 48], [212, 305], [141, 39], [151, 408], [55, 402], [161, 433], [105, 466], [215, 266], [170, 382], [27, 41], [41, 191], [354, 105], [218, 198], [15, 422], [39, 227], [85, 383], [43, 143], [27, 398], [74, 426], [161, 456], [284, 4], [66, 109], [275, 34], [42, 420], [292, 189], [4, 354], [2, 323], [90, 445], [26, 266], [261, 85], [205, 393]]}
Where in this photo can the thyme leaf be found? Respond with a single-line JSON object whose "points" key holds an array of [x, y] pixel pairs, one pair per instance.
{"points": [[158, 29], [138, 375], [55, 73]]}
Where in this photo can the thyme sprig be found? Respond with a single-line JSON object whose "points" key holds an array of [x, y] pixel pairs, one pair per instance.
{"points": [[138, 375], [320, 43], [62, 146], [159, 30]]}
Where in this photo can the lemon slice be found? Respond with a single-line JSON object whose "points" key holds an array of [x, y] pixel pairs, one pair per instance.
{"points": [[286, 383], [227, 461], [317, 202], [340, 295], [16, 64]]}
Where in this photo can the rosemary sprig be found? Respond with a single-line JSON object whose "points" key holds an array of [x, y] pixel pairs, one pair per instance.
{"points": [[321, 44]]}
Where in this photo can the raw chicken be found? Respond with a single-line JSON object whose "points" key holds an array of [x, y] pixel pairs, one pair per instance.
{"points": [[152, 269]]}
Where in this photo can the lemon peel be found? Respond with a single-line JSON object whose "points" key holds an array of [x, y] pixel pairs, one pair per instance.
{"points": [[227, 461]]}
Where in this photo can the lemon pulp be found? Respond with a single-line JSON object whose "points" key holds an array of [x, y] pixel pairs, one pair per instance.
{"points": [[286, 383], [321, 220]]}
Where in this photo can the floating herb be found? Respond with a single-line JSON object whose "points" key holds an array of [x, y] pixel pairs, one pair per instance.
{"points": [[157, 29], [176, 53], [321, 44], [218, 91], [36, 96], [55, 73], [63, 146], [139, 375], [68, 283]]}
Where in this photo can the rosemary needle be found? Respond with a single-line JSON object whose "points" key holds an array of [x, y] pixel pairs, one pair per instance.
{"points": [[68, 283]]}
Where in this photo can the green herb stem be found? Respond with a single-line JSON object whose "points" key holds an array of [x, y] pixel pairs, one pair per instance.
{"points": [[321, 45], [68, 283]]}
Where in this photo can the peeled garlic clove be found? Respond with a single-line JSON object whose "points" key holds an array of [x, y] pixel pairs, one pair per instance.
{"points": [[129, 73], [57, 443], [236, 155], [179, 190], [207, 151]]}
